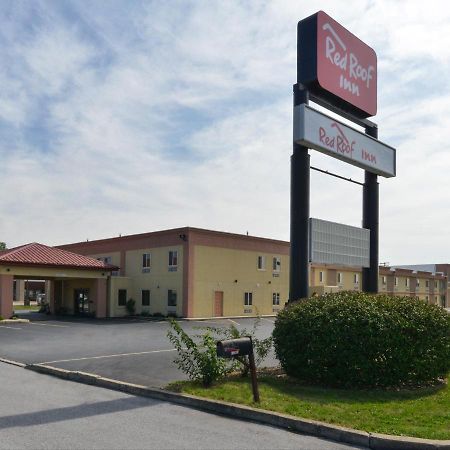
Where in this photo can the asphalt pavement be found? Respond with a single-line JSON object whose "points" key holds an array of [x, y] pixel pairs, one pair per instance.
{"points": [[128, 350], [42, 412]]}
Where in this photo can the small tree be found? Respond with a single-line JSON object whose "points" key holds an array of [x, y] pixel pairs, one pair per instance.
{"points": [[197, 356], [2, 246]]}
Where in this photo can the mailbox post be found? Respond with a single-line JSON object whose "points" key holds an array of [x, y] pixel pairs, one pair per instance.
{"points": [[241, 347]]}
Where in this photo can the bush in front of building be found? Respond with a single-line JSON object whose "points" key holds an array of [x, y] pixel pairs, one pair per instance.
{"points": [[354, 339], [197, 356]]}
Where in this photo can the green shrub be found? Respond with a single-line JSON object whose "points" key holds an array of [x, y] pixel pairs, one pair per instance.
{"points": [[352, 339], [1, 318], [197, 356], [131, 306]]}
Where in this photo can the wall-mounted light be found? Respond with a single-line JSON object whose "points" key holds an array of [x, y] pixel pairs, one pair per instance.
{"points": [[183, 237], [235, 281], [269, 282]]}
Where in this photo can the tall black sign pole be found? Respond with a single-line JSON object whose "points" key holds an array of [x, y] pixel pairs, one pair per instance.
{"points": [[371, 222], [300, 169]]}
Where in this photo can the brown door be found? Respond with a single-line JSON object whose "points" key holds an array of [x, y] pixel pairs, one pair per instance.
{"points": [[218, 303]]}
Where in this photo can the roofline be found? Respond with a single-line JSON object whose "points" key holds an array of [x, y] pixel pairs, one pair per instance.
{"points": [[131, 237], [109, 268]]}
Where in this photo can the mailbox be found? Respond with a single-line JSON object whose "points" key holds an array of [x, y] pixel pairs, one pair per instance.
{"points": [[235, 347]]}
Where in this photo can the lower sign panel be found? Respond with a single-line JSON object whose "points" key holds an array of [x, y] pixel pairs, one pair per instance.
{"points": [[316, 130], [338, 244]]}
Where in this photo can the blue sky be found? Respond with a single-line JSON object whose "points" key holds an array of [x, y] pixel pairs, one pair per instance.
{"points": [[120, 117]]}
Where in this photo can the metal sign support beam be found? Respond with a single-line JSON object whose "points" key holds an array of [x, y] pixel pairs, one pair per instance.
{"points": [[300, 187], [371, 222]]}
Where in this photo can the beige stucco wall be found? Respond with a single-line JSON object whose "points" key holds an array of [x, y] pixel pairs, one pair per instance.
{"points": [[158, 280], [217, 269]]}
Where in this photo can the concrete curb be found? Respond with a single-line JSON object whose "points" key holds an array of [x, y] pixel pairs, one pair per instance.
{"points": [[12, 363], [14, 321], [311, 427]]}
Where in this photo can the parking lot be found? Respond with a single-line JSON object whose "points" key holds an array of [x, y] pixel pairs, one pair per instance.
{"points": [[135, 351]]}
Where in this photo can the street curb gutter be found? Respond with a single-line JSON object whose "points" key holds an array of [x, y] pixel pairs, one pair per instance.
{"points": [[311, 427], [13, 363]]}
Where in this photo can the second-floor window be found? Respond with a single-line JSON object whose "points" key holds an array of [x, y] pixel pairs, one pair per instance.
{"points": [[395, 281], [261, 263], [173, 260], [276, 263], [383, 279], [146, 262]]}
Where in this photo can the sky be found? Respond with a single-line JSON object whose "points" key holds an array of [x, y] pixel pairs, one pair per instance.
{"points": [[120, 117]]}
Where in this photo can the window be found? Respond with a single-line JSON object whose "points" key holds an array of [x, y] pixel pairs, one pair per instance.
{"points": [[395, 281], [122, 297], [435, 284], [320, 277], [276, 298], [173, 260], [146, 262], [418, 283], [248, 299], [276, 263], [261, 263], [146, 297], [356, 278], [383, 279], [340, 277], [427, 283], [171, 297], [407, 282]]}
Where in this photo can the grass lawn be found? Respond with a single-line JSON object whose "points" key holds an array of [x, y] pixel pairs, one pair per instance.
{"points": [[23, 307], [422, 413]]}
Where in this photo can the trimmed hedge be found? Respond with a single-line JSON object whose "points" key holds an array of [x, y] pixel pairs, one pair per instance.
{"points": [[352, 339]]}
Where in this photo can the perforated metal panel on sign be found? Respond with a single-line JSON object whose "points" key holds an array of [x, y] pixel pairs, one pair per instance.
{"points": [[339, 244]]}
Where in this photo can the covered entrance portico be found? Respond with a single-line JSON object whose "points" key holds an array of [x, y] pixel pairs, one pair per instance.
{"points": [[74, 284]]}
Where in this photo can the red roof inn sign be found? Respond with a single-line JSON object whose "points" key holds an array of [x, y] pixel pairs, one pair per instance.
{"points": [[338, 71], [316, 130], [340, 67]]}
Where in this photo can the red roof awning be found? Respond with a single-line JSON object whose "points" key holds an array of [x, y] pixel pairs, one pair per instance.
{"points": [[35, 254]]}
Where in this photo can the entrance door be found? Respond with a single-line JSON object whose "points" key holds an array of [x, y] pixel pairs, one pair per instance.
{"points": [[81, 299], [218, 303]]}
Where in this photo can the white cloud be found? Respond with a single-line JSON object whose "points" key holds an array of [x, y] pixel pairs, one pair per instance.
{"points": [[162, 115]]}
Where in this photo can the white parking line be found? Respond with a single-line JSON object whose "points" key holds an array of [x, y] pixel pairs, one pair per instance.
{"points": [[108, 356], [10, 328], [234, 322], [49, 325]]}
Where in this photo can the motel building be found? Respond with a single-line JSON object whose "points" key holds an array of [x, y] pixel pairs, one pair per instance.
{"points": [[187, 272]]}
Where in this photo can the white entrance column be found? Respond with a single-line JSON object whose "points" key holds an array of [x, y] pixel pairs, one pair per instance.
{"points": [[6, 295], [20, 291]]}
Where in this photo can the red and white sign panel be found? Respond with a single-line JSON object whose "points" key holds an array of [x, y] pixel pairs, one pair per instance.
{"points": [[346, 66], [316, 130]]}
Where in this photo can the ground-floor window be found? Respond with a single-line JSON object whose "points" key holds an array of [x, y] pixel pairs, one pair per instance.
{"points": [[122, 296], [171, 297], [276, 298], [248, 299], [145, 297]]}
